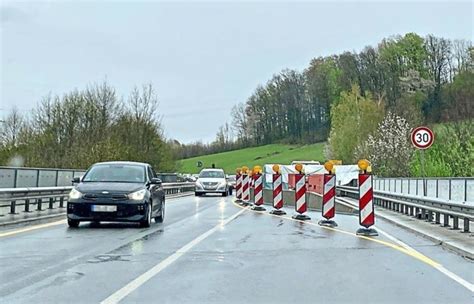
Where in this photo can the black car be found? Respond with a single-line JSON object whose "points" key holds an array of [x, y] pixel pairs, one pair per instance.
{"points": [[117, 192]]}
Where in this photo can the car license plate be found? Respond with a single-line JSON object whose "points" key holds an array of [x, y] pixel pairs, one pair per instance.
{"points": [[104, 208]]}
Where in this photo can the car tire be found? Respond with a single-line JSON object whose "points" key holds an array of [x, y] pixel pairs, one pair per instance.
{"points": [[225, 194], [73, 223], [161, 217], [147, 221]]}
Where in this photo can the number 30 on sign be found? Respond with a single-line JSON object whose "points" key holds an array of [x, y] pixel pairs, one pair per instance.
{"points": [[422, 137]]}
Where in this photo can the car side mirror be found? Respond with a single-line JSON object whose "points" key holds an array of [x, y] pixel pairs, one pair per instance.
{"points": [[76, 180], [156, 181]]}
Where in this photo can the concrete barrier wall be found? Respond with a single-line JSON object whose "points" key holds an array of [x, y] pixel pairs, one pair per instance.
{"points": [[314, 201]]}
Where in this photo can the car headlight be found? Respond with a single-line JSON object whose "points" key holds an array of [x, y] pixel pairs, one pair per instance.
{"points": [[74, 194], [137, 195], [222, 185]]}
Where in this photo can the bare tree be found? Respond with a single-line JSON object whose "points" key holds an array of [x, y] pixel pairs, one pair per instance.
{"points": [[240, 121], [11, 127], [461, 56]]}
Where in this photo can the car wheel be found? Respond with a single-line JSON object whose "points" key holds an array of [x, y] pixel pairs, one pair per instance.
{"points": [[161, 217], [147, 221], [73, 223], [224, 193], [197, 194]]}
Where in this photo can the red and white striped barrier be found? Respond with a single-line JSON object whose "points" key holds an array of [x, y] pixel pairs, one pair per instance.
{"points": [[277, 195], [245, 188], [366, 205], [238, 187], [366, 196], [301, 205], [328, 208], [258, 192]]}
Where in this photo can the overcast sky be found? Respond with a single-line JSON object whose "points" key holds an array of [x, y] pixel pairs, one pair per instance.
{"points": [[202, 57]]}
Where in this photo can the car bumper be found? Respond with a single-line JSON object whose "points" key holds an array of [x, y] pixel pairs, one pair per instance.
{"points": [[210, 191], [126, 212]]}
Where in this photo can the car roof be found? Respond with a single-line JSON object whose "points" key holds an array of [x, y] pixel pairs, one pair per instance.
{"points": [[122, 163], [212, 169]]}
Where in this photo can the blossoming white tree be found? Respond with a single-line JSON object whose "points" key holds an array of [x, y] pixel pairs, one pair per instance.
{"points": [[388, 148]]}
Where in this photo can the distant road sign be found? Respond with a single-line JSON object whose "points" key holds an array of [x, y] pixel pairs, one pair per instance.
{"points": [[422, 137], [199, 164]]}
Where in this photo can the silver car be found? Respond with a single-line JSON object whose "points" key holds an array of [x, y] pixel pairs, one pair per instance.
{"points": [[212, 181]]}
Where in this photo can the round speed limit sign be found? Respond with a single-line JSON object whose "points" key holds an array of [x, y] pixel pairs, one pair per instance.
{"points": [[422, 137]]}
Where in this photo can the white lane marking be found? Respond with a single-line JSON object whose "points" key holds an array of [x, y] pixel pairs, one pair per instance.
{"points": [[35, 227], [143, 278], [438, 267]]}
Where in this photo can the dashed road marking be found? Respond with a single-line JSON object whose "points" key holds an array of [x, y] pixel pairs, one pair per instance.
{"points": [[143, 278]]}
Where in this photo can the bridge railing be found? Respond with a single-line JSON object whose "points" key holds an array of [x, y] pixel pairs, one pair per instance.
{"points": [[41, 198], [21, 177], [449, 188], [425, 208]]}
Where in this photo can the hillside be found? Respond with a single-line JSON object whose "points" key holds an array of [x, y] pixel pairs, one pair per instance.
{"points": [[250, 157]]}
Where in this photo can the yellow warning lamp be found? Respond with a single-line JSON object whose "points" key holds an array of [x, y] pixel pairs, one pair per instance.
{"points": [[238, 171], [276, 168], [329, 165], [257, 170], [299, 168], [363, 164], [245, 169]]}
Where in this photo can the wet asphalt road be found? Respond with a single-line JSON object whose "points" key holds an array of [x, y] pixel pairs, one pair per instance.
{"points": [[253, 258]]}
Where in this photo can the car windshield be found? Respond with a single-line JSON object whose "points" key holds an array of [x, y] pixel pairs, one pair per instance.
{"points": [[212, 174], [116, 173]]}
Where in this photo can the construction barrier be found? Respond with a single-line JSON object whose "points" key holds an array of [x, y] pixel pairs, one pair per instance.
{"points": [[366, 205], [277, 194], [328, 208], [366, 201], [258, 192], [300, 197], [245, 188], [238, 187]]}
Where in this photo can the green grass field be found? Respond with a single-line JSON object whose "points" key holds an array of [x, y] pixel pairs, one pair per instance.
{"points": [[275, 153]]}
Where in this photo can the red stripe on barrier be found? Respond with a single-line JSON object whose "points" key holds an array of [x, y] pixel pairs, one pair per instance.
{"points": [[365, 199], [328, 212], [245, 187], [363, 178], [277, 191], [369, 220], [258, 190], [300, 193], [238, 186], [329, 195]]}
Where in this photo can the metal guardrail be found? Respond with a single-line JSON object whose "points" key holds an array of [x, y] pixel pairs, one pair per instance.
{"points": [[426, 208], [40, 197], [176, 188]]}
